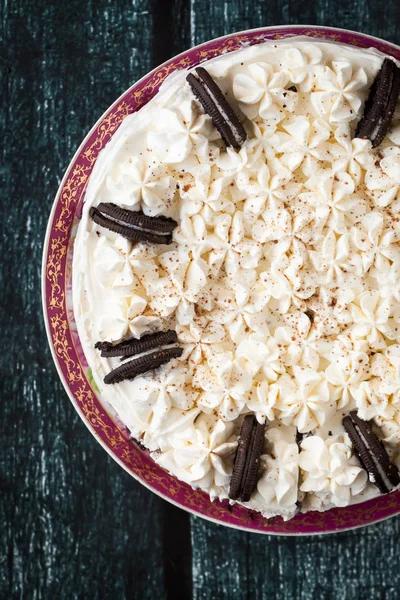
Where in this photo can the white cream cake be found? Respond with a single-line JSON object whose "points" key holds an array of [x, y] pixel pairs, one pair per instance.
{"points": [[282, 280]]}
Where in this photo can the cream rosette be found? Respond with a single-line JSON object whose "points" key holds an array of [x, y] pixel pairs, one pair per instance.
{"points": [[127, 315], [303, 400], [389, 432], [260, 356], [232, 161], [302, 342], [333, 198], [180, 131], [289, 280], [386, 365], [164, 398], [262, 92], [288, 232], [201, 454], [268, 186], [335, 262], [383, 181], [143, 259], [224, 386], [230, 247], [387, 277], [150, 416], [345, 375], [139, 183], [380, 395], [240, 310], [329, 469], [199, 338], [332, 311], [338, 96], [303, 66], [373, 319], [204, 186], [376, 242], [192, 234], [182, 287], [264, 132], [278, 483], [303, 143], [350, 155], [113, 267]]}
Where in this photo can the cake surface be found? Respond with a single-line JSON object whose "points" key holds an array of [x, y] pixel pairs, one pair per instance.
{"points": [[282, 281]]}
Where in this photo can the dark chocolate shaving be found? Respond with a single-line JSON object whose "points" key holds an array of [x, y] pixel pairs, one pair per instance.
{"points": [[139, 443], [142, 364], [310, 314]]}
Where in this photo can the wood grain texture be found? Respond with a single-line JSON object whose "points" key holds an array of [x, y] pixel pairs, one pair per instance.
{"points": [[74, 525], [345, 566], [211, 19]]}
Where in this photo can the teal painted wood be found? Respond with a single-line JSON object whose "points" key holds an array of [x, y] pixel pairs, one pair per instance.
{"points": [[210, 18], [357, 565], [74, 525]]}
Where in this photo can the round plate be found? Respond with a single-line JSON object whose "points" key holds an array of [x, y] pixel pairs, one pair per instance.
{"points": [[61, 328]]}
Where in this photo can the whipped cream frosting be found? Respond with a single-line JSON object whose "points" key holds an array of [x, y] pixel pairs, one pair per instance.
{"points": [[282, 282]]}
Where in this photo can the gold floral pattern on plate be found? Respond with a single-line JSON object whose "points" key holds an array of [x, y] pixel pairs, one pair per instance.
{"points": [[65, 346]]}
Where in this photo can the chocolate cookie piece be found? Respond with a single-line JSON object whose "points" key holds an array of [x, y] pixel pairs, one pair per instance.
{"points": [[247, 459], [142, 364], [217, 107], [378, 449], [251, 471], [381, 104], [363, 455], [371, 453], [133, 224], [131, 347], [240, 458]]}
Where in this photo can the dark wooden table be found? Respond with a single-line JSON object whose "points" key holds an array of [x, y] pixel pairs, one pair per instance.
{"points": [[74, 524]]}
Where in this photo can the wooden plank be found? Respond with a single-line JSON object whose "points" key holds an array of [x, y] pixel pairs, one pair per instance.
{"points": [[171, 29], [74, 524], [232, 564], [350, 566], [210, 19]]}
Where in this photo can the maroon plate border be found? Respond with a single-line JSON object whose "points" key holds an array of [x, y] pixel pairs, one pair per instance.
{"points": [[64, 342]]}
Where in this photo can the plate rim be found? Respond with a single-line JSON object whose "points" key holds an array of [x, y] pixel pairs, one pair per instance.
{"points": [[67, 172]]}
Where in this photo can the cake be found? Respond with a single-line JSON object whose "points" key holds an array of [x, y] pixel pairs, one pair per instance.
{"points": [[236, 276]]}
